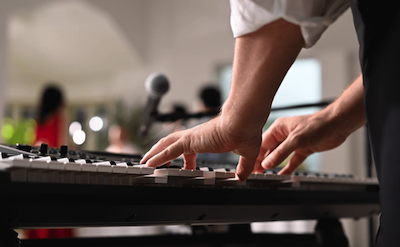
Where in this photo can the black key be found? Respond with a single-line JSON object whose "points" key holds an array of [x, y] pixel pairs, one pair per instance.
{"points": [[5, 155], [24, 147], [43, 149], [162, 167], [63, 150]]}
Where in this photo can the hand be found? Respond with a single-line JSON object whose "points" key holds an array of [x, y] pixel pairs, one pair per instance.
{"points": [[302, 135], [210, 137]]}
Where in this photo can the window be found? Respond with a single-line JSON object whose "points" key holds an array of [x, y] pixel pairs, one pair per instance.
{"points": [[301, 85]]}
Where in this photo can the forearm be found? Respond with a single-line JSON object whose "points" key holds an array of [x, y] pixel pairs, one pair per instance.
{"points": [[347, 112], [261, 61]]}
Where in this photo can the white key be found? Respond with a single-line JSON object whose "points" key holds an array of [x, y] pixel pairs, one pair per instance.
{"points": [[120, 168], [199, 181], [174, 172], [220, 173], [18, 168], [44, 158], [253, 176], [89, 167], [134, 170], [15, 163], [230, 182], [80, 161], [40, 172], [39, 164], [196, 173], [140, 170], [63, 160], [77, 167], [149, 179], [187, 173], [104, 167], [145, 170]]}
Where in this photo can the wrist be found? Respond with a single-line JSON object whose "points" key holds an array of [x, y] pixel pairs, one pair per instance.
{"points": [[238, 121], [343, 122]]}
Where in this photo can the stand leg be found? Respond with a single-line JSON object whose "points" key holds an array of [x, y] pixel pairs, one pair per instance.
{"points": [[9, 238], [330, 233]]}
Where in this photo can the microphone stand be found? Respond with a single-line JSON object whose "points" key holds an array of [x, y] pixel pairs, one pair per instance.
{"points": [[174, 116]]}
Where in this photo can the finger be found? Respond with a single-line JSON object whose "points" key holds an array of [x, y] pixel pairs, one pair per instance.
{"points": [[158, 147], [274, 136], [190, 161], [245, 167], [294, 162], [277, 156], [257, 167], [166, 155]]}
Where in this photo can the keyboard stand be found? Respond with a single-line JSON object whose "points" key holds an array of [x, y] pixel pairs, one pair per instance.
{"points": [[9, 238], [328, 233]]}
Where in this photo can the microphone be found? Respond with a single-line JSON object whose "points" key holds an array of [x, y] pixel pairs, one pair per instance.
{"points": [[156, 85]]}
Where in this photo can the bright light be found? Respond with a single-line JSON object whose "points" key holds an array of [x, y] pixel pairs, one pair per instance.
{"points": [[96, 123], [7, 131], [79, 137], [73, 127]]}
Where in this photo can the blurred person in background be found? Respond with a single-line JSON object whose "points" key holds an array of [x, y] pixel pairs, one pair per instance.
{"points": [[50, 129], [179, 109], [118, 137], [210, 103], [51, 126]]}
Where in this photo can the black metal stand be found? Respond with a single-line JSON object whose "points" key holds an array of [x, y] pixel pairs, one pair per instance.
{"points": [[328, 233], [368, 163], [9, 238]]}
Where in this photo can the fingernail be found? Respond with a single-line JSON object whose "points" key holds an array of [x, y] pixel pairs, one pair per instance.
{"points": [[266, 165]]}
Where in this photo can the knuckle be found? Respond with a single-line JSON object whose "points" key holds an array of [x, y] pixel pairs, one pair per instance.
{"points": [[166, 152], [298, 140], [162, 141], [186, 142], [277, 155]]}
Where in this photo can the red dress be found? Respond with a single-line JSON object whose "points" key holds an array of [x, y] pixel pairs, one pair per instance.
{"points": [[49, 133]]}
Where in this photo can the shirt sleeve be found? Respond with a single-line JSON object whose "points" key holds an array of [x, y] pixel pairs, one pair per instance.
{"points": [[313, 16]]}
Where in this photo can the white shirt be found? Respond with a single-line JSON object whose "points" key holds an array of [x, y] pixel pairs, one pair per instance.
{"points": [[313, 16]]}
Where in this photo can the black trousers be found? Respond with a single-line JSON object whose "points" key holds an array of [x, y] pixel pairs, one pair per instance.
{"points": [[378, 30]]}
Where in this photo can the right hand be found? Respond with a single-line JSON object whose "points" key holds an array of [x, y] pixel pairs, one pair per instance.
{"points": [[302, 135]]}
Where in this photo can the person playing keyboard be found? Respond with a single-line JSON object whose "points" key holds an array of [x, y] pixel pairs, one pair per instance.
{"points": [[269, 36]]}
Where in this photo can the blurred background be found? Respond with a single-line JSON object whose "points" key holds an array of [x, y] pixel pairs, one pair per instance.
{"points": [[99, 53]]}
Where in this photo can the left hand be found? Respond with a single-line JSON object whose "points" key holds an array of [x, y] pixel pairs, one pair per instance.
{"points": [[210, 137]]}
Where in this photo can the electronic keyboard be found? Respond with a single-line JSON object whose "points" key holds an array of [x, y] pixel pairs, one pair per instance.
{"points": [[48, 187]]}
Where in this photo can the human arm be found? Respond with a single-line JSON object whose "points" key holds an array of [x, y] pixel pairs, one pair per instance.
{"points": [[261, 61], [321, 131]]}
